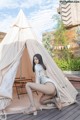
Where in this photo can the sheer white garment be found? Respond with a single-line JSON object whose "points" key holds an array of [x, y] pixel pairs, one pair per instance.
{"points": [[41, 76]]}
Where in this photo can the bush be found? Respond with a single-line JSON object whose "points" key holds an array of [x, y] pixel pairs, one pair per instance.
{"points": [[72, 64]]}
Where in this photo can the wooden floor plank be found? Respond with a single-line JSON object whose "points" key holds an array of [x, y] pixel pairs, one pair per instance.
{"points": [[77, 118], [68, 114], [74, 115], [63, 113], [71, 112]]}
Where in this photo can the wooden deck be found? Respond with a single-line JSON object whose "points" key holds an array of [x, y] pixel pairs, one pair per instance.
{"points": [[71, 112], [74, 79]]}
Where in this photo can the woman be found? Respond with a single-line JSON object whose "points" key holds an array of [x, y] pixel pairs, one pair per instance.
{"points": [[43, 84]]}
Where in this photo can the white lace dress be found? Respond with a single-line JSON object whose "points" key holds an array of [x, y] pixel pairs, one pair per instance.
{"points": [[41, 76]]}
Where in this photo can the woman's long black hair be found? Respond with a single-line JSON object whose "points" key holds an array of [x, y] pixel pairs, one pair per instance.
{"points": [[40, 61]]}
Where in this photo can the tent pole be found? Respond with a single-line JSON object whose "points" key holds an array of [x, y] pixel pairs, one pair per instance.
{"points": [[21, 68]]}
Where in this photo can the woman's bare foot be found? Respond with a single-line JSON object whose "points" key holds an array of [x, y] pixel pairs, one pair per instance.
{"points": [[57, 102]]}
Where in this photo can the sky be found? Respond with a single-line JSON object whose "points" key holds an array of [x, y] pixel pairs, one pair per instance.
{"points": [[38, 12]]}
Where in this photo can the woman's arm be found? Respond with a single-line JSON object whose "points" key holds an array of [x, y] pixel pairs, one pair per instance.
{"points": [[45, 72], [37, 78]]}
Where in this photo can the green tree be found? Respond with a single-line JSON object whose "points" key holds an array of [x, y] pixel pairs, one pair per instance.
{"points": [[60, 32], [61, 39], [47, 43]]}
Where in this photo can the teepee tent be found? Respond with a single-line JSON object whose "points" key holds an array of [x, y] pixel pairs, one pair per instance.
{"points": [[19, 46]]}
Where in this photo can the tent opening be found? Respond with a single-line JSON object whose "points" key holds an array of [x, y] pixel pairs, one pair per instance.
{"points": [[24, 73]]}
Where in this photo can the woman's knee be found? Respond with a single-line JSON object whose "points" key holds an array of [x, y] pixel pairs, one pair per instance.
{"points": [[28, 84]]}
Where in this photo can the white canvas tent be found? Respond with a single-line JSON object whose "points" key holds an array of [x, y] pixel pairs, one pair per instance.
{"points": [[21, 43]]}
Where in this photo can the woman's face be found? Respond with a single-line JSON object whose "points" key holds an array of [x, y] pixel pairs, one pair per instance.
{"points": [[36, 60]]}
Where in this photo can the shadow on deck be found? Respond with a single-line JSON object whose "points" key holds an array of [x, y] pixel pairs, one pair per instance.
{"points": [[71, 112]]}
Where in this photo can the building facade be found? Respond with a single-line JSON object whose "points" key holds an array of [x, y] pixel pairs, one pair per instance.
{"points": [[70, 13]]}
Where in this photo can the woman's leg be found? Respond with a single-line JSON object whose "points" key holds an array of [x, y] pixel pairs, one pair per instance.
{"points": [[45, 99], [48, 89]]}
